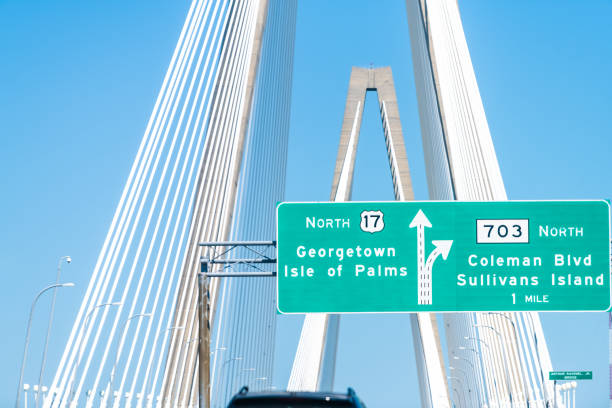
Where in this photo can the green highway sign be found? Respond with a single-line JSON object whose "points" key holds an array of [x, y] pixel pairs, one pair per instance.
{"points": [[437, 256], [570, 375]]}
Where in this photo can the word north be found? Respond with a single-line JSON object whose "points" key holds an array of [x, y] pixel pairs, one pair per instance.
{"points": [[328, 223]]}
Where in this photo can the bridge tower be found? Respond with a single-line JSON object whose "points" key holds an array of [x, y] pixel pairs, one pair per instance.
{"points": [[314, 364], [221, 112]]}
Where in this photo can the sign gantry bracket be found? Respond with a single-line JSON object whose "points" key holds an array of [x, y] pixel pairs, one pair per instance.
{"points": [[257, 248], [218, 255]]}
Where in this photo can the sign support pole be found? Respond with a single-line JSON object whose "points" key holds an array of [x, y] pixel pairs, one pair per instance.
{"points": [[204, 335], [204, 312]]}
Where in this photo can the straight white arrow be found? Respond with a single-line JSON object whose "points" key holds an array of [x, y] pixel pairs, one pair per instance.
{"points": [[420, 221]]}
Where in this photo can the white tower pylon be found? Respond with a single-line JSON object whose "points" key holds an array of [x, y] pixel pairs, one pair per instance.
{"points": [[314, 364], [510, 362]]}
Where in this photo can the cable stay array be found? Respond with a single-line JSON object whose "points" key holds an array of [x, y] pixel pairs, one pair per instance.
{"points": [[222, 111], [210, 168]]}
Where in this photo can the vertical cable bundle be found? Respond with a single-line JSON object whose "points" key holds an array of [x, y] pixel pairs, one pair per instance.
{"points": [[496, 358], [243, 348], [133, 334]]}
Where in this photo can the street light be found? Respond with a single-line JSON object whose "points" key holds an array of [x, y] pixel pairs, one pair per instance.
{"points": [[112, 374], [182, 355], [35, 389], [468, 348], [477, 353], [27, 339], [227, 361], [82, 348], [477, 339], [467, 377], [499, 336], [568, 393], [252, 370], [44, 390], [457, 392], [460, 385], [264, 379], [52, 394], [464, 359], [26, 387], [44, 356], [102, 393], [128, 398], [230, 360], [458, 369], [150, 395], [485, 391], [545, 392], [526, 390]]}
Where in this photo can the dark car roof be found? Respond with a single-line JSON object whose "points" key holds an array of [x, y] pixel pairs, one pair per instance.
{"points": [[350, 398], [301, 395]]}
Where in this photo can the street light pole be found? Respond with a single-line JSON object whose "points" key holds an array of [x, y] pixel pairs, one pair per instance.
{"points": [[27, 339], [501, 343], [480, 383], [455, 357], [264, 381], [467, 377], [493, 392], [251, 370], [460, 384], [112, 374], [231, 360], [26, 387], [150, 396], [458, 395], [81, 349], [526, 390], [44, 356]]}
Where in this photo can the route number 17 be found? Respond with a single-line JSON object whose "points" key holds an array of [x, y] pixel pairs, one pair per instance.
{"points": [[372, 221]]}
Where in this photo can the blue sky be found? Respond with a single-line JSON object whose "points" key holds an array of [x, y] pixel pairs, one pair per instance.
{"points": [[79, 81]]}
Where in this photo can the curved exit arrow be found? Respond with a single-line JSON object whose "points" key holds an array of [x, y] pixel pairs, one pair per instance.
{"points": [[443, 247]]}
